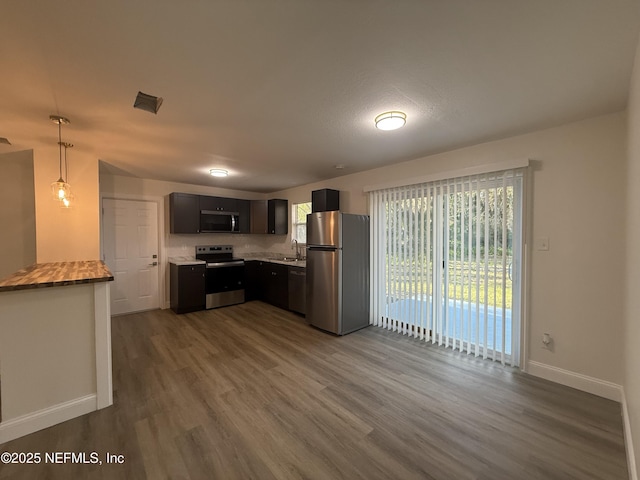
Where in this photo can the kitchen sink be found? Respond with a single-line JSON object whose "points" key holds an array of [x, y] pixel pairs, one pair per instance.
{"points": [[288, 259]]}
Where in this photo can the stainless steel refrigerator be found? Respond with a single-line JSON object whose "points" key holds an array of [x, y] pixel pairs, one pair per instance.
{"points": [[337, 271]]}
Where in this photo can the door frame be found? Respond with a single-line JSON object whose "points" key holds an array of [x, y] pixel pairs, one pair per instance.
{"points": [[163, 270]]}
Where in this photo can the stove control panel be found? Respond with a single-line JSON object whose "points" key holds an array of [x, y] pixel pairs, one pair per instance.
{"points": [[214, 249]]}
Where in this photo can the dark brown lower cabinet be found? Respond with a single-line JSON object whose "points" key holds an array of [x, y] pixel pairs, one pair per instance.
{"points": [[271, 283], [275, 284], [187, 288]]}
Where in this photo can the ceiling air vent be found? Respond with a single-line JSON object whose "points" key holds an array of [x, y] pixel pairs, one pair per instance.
{"points": [[148, 103], [5, 141]]}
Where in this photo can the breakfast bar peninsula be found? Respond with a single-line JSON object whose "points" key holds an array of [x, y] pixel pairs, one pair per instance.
{"points": [[55, 345]]}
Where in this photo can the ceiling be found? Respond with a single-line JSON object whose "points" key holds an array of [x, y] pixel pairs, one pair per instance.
{"points": [[279, 92]]}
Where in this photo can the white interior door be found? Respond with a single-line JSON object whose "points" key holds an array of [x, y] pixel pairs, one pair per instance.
{"points": [[130, 243]]}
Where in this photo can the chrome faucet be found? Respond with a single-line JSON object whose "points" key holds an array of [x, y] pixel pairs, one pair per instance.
{"points": [[300, 250], [297, 249]]}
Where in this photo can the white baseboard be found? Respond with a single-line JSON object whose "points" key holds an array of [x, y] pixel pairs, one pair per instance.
{"points": [[628, 440], [598, 387], [609, 390], [47, 417]]}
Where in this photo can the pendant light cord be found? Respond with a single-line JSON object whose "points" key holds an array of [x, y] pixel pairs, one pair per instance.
{"points": [[66, 165], [60, 144]]}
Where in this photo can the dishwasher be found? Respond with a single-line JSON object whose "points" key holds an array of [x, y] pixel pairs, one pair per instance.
{"points": [[297, 290]]}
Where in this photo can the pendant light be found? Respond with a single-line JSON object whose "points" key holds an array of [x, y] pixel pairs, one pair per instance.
{"points": [[60, 189]]}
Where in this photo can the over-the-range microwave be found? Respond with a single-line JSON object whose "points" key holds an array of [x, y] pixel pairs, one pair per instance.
{"points": [[213, 221]]}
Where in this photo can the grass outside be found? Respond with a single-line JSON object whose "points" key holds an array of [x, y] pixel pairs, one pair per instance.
{"points": [[466, 282]]}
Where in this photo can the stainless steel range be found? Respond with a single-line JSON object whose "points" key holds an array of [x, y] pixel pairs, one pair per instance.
{"points": [[224, 277]]}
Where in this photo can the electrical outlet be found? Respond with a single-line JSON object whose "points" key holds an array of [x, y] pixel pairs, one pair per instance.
{"points": [[542, 244], [547, 341]]}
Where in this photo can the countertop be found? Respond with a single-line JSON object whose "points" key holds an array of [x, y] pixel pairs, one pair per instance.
{"points": [[57, 274], [276, 258], [262, 257], [291, 263], [186, 261]]}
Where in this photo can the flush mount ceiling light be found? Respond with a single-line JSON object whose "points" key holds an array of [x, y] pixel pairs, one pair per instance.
{"points": [[148, 103], [218, 172], [390, 120], [60, 189]]}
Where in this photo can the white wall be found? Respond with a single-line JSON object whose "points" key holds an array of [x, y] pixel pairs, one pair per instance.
{"points": [[64, 235], [632, 303], [578, 178], [18, 216], [56, 356], [47, 359], [123, 185]]}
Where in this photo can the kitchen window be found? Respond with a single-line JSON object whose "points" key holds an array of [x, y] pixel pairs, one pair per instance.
{"points": [[299, 213]]}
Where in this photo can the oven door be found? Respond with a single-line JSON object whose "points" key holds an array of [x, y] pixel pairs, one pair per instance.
{"points": [[212, 221], [224, 283]]}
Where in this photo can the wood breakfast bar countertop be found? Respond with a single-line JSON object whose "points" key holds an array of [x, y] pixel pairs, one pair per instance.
{"points": [[57, 274]]}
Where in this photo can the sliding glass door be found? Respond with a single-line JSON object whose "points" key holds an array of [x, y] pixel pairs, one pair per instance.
{"points": [[447, 263]]}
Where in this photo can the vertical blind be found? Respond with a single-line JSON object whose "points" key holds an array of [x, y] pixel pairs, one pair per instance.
{"points": [[446, 262]]}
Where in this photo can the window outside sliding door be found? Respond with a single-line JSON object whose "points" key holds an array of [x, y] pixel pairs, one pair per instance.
{"points": [[446, 263]]}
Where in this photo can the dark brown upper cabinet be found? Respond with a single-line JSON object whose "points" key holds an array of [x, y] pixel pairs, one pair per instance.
{"points": [[218, 204], [184, 213], [270, 216], [255, 216]]}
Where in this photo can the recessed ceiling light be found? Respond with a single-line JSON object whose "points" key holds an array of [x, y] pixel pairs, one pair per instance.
{"points": [[5, 141], [390, 120], [218, 172]]}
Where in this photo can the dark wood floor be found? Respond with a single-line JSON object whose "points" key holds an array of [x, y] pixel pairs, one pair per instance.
{"points": [[251, 391]]}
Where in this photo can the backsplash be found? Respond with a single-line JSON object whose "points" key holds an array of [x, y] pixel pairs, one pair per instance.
{"points": [[184, 245]]}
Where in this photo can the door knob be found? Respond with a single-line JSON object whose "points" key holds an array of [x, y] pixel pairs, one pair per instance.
{"points": [[154, 264]]}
